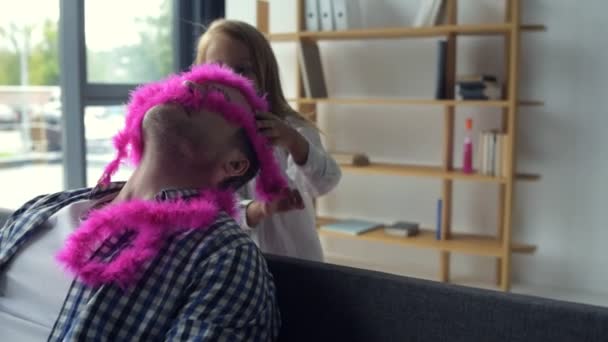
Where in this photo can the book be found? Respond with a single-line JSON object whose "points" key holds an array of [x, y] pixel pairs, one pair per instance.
{"points": [[312, 69], [438, 223], [313, 22], [476, 78], [423, 13], [440, 91], [504, 169], [437, 12], [479, 94], [498, 155], [488, 92], [477, 85], [402, 229], [493, 147], [484, 154], [327, 15], [347, 14], [351, 227], [429, 13]]}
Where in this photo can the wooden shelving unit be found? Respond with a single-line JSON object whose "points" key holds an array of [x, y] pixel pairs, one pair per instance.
{"points": [[499, 246], [431, 172], [404, 32]]}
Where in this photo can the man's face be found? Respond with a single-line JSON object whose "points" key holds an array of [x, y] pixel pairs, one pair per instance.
{"points": [[214, 130]]}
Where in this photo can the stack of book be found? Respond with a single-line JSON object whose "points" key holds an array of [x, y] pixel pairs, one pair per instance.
{"points": [[478, 87], [357, 227], [351, 226], [492, 153]]}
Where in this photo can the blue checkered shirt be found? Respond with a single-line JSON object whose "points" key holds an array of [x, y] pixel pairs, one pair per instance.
{"points": [[204, 285]]}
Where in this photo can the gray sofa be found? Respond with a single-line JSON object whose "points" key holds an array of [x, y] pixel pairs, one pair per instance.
{"points": [[323, 302]]}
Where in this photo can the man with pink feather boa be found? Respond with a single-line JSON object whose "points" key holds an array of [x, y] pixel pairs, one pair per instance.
{"points": [[159, 257]]}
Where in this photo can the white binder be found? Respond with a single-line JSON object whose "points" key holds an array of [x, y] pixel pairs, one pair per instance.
{"points": [[313, 22], [346, 14], [327, 16]]}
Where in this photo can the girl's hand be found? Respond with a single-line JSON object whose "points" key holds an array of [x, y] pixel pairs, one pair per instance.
{"points": [[276, 130], [279, 133], [291, 200], [257, 211]]}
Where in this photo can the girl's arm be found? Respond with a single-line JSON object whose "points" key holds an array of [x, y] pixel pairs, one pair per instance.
{"points": [[309, 163]]}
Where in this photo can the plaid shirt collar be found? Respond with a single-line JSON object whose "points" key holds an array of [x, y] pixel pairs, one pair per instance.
{"points": [[164, 195]]}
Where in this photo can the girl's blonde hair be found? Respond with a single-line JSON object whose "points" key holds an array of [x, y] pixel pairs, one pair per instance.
{"points": [[265, 66]]}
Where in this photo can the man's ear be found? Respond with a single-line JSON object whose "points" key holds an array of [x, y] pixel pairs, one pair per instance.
{"points": [[236, 164]]}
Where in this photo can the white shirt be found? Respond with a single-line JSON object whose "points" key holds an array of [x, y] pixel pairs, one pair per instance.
{"points": [[34, 286], [294, 233]]}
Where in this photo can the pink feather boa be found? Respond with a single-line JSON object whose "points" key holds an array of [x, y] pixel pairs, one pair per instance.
{"points": [[152, 223], [129, 142]]}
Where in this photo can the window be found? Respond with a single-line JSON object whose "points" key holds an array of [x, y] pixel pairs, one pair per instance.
{"points": [[128, 41], [101, 124], [30, 138], [135, 48]]}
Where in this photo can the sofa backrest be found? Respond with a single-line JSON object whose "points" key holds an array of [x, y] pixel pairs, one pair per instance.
{"points": [[323, 302]]}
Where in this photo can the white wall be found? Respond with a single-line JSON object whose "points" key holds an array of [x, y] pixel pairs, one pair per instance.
{"points": [[565, 67]]}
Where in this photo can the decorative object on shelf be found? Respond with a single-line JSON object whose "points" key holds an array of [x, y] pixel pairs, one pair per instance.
{"points": [[467, 149], [347, 14], [312, 69], [429, 13], [351, 226], [313, 20], [354, 159], [402, 229]]}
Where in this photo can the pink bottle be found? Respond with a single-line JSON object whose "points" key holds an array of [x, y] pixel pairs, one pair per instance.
{"points": [[467, 157]]}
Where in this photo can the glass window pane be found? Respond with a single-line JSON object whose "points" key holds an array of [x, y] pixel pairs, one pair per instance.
{"points": [[30, 135], [128, 41], [101, 123]]}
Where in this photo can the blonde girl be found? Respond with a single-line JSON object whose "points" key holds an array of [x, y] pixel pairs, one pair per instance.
{"points": [[287, 226]]}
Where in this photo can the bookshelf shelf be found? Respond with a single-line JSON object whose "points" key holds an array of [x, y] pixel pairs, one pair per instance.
{"points": [[472, 244], [499, 245], [408, 101], [428, 171], [403, 32]]}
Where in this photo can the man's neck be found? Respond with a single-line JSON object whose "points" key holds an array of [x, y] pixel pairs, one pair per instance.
{"points": [[149, 179]]}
